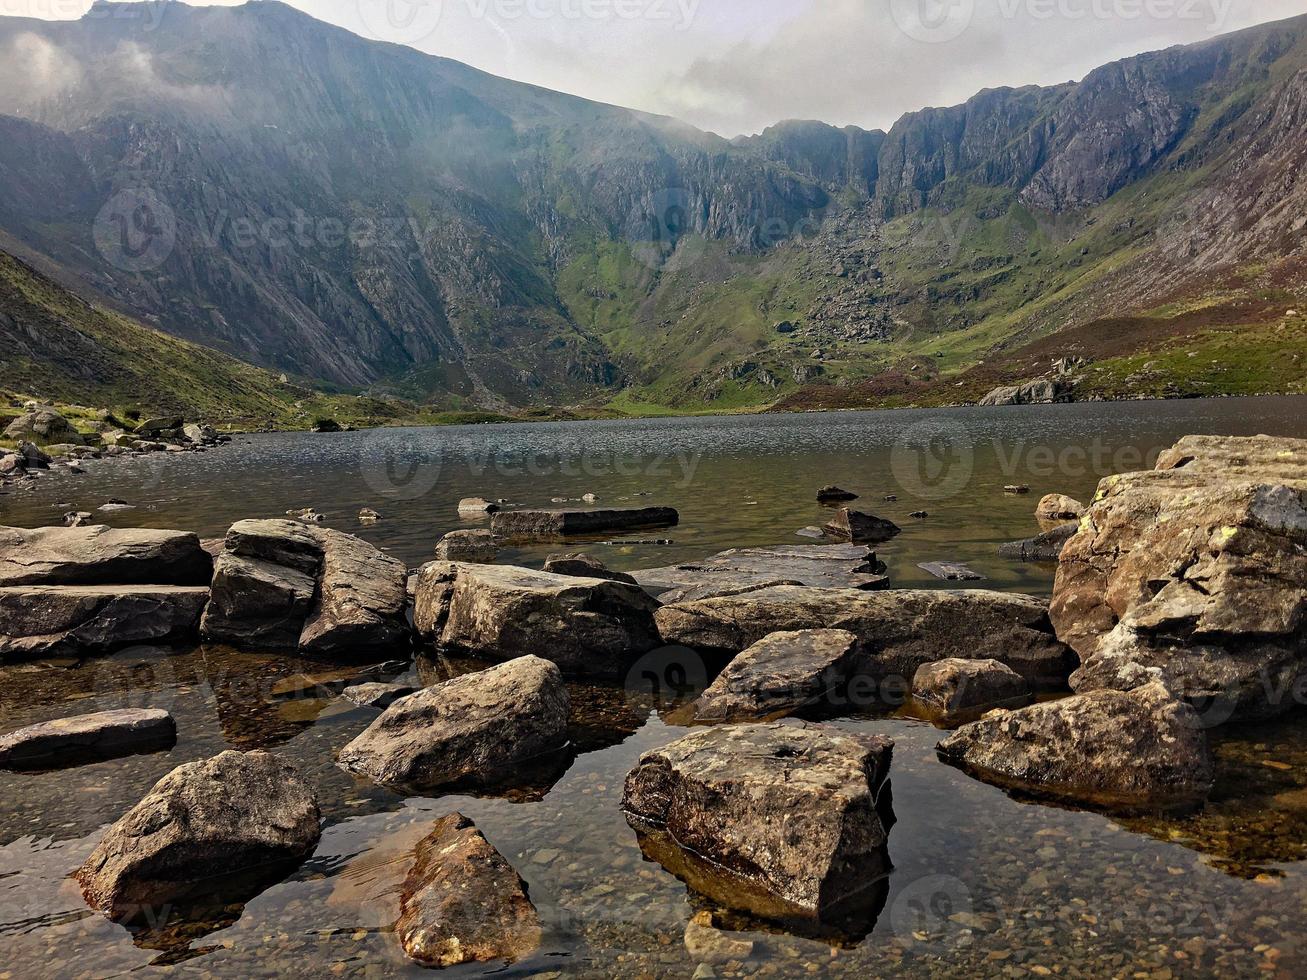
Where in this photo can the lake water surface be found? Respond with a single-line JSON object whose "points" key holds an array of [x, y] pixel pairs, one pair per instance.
{"points": [[983, 884]]}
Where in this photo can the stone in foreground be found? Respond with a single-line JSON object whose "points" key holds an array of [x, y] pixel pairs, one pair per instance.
{"points": [[87, 738], [99, 555], [76, 620], [562, 523], [841, 566], [479, 730], [780, 675], [589, 627], [200, 833], [955, 691], [463, 903], [361, 600], [777, 820], [1137, 752], [900, 629], [859, 528]]}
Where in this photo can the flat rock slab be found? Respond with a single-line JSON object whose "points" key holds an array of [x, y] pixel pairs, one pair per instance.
{"points": [[779, 675], [87, 738], [1046, 546], [957, 691], [376, 694], [589, 627], [846, 566], [776, 820], [900, 629], [950, 571], [563, 523], [99, 555], [463, 903], [1137, 752], [481, 730], [198, 833], [470, 546], [75, 620]]}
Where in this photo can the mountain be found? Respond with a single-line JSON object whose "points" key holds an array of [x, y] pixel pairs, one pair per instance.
{"points": [[364, 216]]}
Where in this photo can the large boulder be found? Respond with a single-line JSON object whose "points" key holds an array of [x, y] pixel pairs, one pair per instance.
{"points": [[1041, 392], [900, 629], [87, 738], [780, 675], [859, 528], [954, 691], [1138, 751], [841, 566], [44, 426], [38, 621], [1193, 574], [99, 555], [562, 523], [361, 601], [781, 821], [470, 546], [257, 604], [200, 831], [589, 627], [462, 902], [484, 729]]}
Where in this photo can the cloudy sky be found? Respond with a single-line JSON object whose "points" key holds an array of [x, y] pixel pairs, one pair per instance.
{"points": [[736, 66]]}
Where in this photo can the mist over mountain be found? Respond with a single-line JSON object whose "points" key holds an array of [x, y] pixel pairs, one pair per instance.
{"points": [[365, 216]]}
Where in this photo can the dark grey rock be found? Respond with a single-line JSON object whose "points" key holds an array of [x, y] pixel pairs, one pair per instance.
{"points": [[87, 738]]}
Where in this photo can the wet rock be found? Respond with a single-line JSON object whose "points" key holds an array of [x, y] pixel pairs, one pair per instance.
{"points": [[859, 528], [584, 566], [73, 620], [1137, 751], [100, 555], [1059, 507], [463, 903], [368, 516], [900, 629], [44, 426], [1043, 547], [589, 627], [954, 691], [376, 694], [707, 944], [827, 495], [361, 600], [36, 459], [198, 830], [257, 604], [87, 738], [780, 675], [777, 820], [1194, 573], [562, 523], [481, 730], [950, 571], [468, 546], [1017, 489], [747, 569], [476, 507], [78, 518]]}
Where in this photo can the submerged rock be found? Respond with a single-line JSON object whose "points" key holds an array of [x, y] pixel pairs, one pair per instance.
{"points": [[584, 566], [859, 528], [777, 820], [482, 730], [562, 523], [828, 495], [1141, 751], [588, 626], [101, 555], [463, 903], [950, 571], [900, 629], [87, 738], [199, 831], [842, 566], [1043, 547], [376, 694], [779, 675], [954, 691]]}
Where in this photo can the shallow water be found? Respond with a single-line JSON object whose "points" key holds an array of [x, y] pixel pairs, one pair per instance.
{"points": [[982, 883]]}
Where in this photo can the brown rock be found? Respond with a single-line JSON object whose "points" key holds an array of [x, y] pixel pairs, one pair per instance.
{"points": [[101, 556], [859, 528], [1059, 507], [562, 523], [584, 566], [954, 691], [87, 738]]}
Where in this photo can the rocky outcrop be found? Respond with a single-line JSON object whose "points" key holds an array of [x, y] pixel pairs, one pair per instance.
{"points": [[463, 903], [1059, 507], [1137, 751], [74, 620], [954, 691], [563, 523], [589, 627], [87, 738], [281, 584], [101, 555], [859, 528], [742, 570], [201, 831], [44, 426], [584, 566], [899, 629], [1042, 392], [482, 730], [781, 821], [780, 675], [469, 546], [1193, 573]]}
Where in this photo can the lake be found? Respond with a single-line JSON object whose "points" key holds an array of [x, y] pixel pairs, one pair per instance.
{"points": [[983, 883]]}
